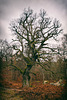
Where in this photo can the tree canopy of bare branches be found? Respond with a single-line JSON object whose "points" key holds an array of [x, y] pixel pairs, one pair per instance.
{"points": [[32, 32]]}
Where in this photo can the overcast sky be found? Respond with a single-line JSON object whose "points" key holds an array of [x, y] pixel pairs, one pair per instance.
{"points": [[12, 9]]}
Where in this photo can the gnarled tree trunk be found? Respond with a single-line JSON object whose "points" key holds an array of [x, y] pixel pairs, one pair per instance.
{"points": [[26, 81], [26, 76]]}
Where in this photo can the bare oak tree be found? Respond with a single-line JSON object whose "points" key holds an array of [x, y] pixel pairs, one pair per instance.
{"points": [[32, 32]]}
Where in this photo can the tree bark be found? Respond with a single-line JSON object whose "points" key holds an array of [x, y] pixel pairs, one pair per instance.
{"points": [[43, 75], [26, 81]]}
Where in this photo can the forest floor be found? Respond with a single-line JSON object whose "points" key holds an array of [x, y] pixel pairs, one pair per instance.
{"points": [[37, 91]]}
